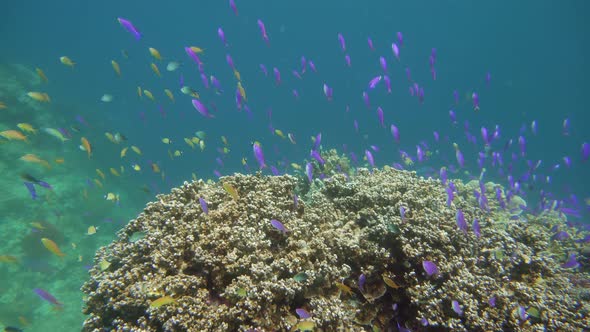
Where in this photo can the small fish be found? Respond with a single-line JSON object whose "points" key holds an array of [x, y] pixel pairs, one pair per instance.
{"points": [[32, 158], [148, 94], [201, 108], [302, 313], [116, 67], [166, 140], [279, 226], [257, 149], [155, 69], [87, 146], [41, 75], [571, 262], [114, 171], [67, 61], [39, 96], [91, 230], [342, 42], [169, 94], [457, 308], [430, 268], [56, 133], [112, 197], [263, 31], [155, 53], [31, 188], [164, 300], [47, 297], [124, 152], [231, 190], [52, 247], [389, 282], [27, 128], [204, 205], [8, 259], [475, 98], [309, 172], [136, 149], [172, 66], [13, 135], [343, 288], [129, 27], [106, 98], [461, 223]]}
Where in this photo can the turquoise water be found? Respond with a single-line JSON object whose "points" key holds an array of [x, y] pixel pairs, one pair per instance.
{"points": [[534, 52]]}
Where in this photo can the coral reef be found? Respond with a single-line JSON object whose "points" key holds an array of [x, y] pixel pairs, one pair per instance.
{"points": [[211, 260]]}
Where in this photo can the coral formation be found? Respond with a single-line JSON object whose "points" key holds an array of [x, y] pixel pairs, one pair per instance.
{"points": [[347, 256]]}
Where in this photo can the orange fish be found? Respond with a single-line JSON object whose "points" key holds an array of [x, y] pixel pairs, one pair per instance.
{"points": [[59, 160], [86, 146], [31, 158], [52, 247], [13, 134]]}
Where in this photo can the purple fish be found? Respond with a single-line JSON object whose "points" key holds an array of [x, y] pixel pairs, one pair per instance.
{"points": [[566, 127], [571, 262], [443, 175], [203, 205], [278, 225], [309, 172], [492, 301], [366, 99], [302, 313], [383, 63], [400, 38], [263, 31], [585, 150], [370, 42], [221, 35], [395, 50], [450, 196], [476, 228], [201, 108], [328, 91], [258, 154], [457, 308], [277, 74], [475, 98], [460, 159], [362, 281], [317, 141], [374, 81], [264, 70], [387, 81], [402, 213], [370, 158], [347, 60], [342, 42], [47, 297], [380, 116], [129, 27], [395, 133], [316, 155], [295, 201], [430, 268], [312, 66], [193, 55], [522, 145], [461, 223], [522, 314], [31, 187], [232, 5]]}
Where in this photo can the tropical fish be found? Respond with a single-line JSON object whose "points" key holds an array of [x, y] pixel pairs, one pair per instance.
{"points": [[136, 149], [87, 146], [100, 173], [41, 75], [169, 94], [56, 133], [13, 135], [166, 140], [196, 49], [148, 94], [172, 66], [116, 67], [31, 188], [8, 259], [114, 171], [31, 158], [201, 108], [106, 98], [47, 297], [279, 226], [231, 190], [242, 91], [91, 230], [136, 167], [189, 91], [112, 197], [259, 154], [2, 106], [155, 53], [67, 61], [27, 128], [39, 96], [155, 69], [52, 247], [124, 152], [344, 288], [164, 300], [129, 27]]}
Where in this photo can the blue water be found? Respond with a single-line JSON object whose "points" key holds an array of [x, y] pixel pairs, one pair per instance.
{"points": [[535, 52]]}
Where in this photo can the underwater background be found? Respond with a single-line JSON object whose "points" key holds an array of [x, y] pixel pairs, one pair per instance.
{"points": [[525, 60]]}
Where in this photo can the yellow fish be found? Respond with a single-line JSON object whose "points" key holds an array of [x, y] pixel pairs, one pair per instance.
{"points": [[136, 167], [148, 94], [242, 91], [195, 140], [169, 94], [100, 173], [91, 230], [56, 133], [389, 282], [136, 149], [202, 145], [231, 190], [52, 247], [103, 265], [124, 152], [41, 75], [2, 106], [31, 158], [27, 127], [87, 146], [59, 160], [279, 133], [114, 171], [39, 96], [296, 166], [8, 259], [139, 91], [342, 287], [97, 182], [189, 142], [155, 69], [37, 225], [116, 67], [166, 140], [197, 50], [237, 75], [111, 137], [155, 53], [112, 197], [13, 135], [67, 61], [155, 168], [164, 300], [224, 140], [177, 153]]}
